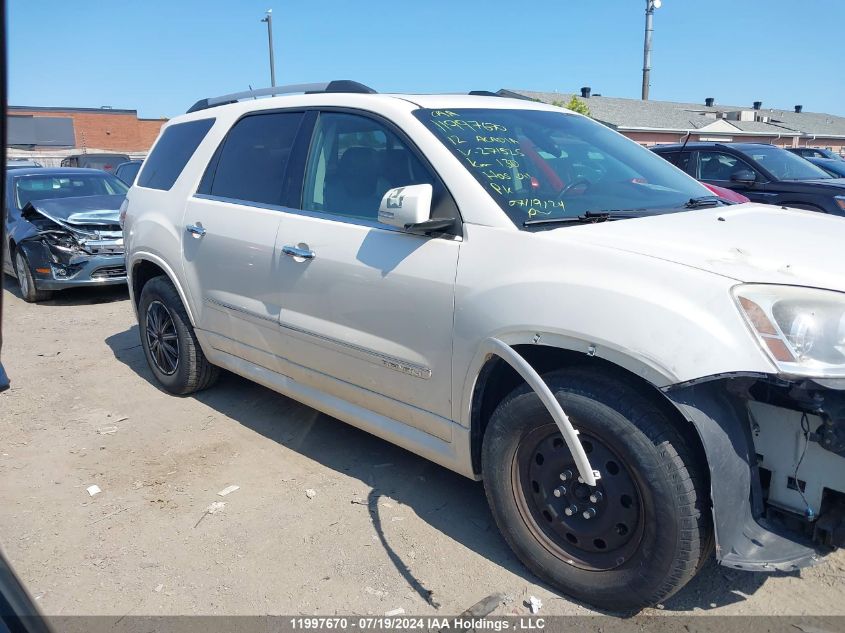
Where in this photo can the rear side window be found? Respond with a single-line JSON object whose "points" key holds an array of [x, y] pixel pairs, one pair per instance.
{"points": [[255, 156], [172, 152]]}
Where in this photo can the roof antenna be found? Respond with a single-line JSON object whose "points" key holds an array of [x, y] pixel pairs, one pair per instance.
{"points": [[254, 98]]}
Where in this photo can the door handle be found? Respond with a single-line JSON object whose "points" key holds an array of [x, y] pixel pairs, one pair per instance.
{"points": [[298, 253], [196, 230]]}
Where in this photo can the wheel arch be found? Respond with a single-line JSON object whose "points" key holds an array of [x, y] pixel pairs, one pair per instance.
{"points": [[144, 267], [496, 379]]}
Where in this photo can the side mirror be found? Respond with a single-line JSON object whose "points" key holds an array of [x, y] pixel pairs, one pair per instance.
{"points": [[744, 176], [405, 207]]}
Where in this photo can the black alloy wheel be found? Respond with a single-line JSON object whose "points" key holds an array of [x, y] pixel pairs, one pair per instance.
{"points": [[162, 339]]}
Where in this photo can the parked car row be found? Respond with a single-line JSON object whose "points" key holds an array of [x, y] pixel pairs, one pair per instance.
{"points": [[816, 152], [636, 368], [836, 168], [763, 173], [106, 162]]}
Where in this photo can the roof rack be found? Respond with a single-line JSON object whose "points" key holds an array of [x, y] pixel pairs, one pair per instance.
{"points": [[338, 85]]}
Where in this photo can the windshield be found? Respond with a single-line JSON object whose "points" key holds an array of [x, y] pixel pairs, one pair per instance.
{"points": [[545, 165], [835, 168], [785, 165], [30, 188]]}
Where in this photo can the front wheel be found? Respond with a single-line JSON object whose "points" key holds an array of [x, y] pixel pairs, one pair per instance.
{"points": [[629, 542], [170, 344], [26, 281]]}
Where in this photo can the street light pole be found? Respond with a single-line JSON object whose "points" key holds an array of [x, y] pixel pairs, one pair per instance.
{"points": [[650, 6], [268, 18]]}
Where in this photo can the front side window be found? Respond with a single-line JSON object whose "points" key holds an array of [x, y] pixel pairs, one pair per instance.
{"points": [[720, 166], [353, 162], [31, 188], [785, 165], [172, 152], [548, 165], [255, 156]]}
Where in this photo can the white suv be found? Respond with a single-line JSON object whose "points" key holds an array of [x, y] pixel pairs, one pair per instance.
{"points": [[633, 367]]}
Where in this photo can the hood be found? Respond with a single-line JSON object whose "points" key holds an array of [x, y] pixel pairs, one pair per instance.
{"points": [[747, 242], [87, 213], [831, 183]]}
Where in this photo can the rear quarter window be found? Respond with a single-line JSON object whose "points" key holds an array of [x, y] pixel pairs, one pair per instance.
{"points": [[172, 152]]}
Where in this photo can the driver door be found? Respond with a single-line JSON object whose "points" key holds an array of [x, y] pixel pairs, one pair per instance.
{"points": [[365, 303]]}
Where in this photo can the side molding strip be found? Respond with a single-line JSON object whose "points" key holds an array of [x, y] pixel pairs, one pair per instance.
{"points": [[570, 435]]}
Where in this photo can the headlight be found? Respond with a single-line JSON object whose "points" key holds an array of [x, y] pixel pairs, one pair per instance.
{"points": [[840, 201], [801, 329]]}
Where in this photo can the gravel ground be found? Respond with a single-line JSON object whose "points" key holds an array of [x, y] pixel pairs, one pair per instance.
{"points": [[383, 529]]}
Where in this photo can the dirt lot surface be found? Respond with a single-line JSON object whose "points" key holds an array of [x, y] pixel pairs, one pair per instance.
{"points": [[385, 529]]}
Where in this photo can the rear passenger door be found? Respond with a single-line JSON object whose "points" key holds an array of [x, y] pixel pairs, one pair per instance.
{"points": [[229, 232], [369, 305]]}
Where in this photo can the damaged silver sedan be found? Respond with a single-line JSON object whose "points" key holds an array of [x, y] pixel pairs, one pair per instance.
{"points": [[63, 229]]}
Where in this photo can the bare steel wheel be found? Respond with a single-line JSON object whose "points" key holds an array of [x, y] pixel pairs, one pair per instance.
{"points": [[636, 537], [162, 339], [595, 528]]}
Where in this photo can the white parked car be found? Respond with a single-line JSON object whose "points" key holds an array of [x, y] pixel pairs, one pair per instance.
{"points": [[634, 368]]}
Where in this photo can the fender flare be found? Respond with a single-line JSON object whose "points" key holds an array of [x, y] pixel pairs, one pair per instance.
{"points": [[649, 370], [138, 257], [538, 385]]}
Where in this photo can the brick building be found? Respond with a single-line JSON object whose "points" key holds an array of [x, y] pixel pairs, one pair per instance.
{"points": [[49, 134]]}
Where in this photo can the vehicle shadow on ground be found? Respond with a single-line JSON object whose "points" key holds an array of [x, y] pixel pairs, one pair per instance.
{"points": [[447, 501], [75, 296]]}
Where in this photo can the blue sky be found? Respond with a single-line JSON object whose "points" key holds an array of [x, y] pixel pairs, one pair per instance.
{"points": [[159, 57]]}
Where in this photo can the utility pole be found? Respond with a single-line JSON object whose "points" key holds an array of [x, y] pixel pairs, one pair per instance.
{"points": [[650, 6], [268, 18]]}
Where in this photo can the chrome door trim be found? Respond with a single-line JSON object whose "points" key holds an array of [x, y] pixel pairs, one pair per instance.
{"points": [[249, 313], [390, 362]]}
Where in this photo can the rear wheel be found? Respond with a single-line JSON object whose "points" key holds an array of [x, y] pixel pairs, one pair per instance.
{"points": [[632, 540], [170, 344], [26, 281]]}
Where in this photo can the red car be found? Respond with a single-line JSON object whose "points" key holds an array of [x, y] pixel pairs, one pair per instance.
{"points": [[727, 194]]}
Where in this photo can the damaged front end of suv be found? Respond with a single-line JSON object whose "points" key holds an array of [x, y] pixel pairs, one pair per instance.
{"points": [[70, 242], [776, 441]]}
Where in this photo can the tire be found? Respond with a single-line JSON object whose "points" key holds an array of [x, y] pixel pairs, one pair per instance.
{"points": [[170, 344], [26, 281], [651, 529]]}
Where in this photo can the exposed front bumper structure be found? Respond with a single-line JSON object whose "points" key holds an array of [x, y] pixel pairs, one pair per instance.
{"points": [[776, 451], [52, 272]]}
